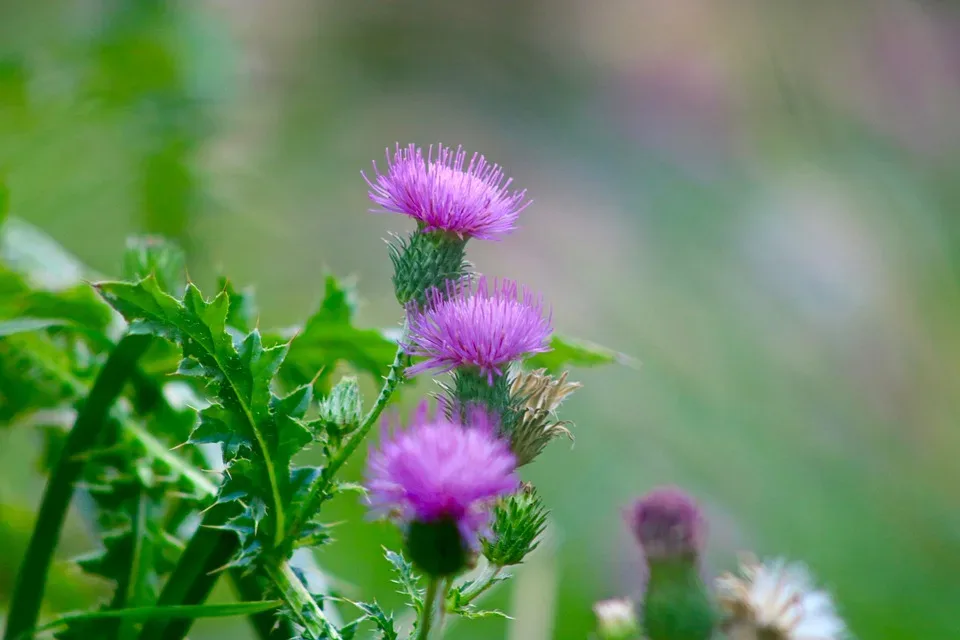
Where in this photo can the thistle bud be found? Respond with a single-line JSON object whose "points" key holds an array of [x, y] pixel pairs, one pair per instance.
{"points": [[670, 528], [668, 525], [616, 620], [342, 410], [518, 522]]}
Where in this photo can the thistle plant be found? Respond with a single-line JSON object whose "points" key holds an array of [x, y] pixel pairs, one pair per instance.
{"points": [[177, 425], [180, 423], [775, 600]]}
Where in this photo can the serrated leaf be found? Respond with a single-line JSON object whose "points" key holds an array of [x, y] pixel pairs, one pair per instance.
{"points": [[373, 613], [157, 256], [37, 373], [571, 352], [471, 612], [73, 306], [406, 578], [330, 337], [260, 433], [243, 313]]}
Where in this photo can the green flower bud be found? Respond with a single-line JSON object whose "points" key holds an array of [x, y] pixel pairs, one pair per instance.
{"points": [[424, 261], [518, 522]]}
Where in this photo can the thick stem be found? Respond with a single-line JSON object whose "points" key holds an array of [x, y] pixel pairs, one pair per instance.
{"points": [[32, 576], [294, 594], [426, 618], [319, 490], [483, 583]]}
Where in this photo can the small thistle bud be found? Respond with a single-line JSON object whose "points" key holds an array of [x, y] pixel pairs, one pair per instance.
{"points": [[439, 479], [776, 601], [616, 620], [535, 397], [670, 528], [518, 522], [342, 410], [668, 525], [157, 256]]}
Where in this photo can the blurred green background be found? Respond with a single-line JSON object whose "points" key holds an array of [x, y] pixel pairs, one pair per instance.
{"points": [[758, 200]]}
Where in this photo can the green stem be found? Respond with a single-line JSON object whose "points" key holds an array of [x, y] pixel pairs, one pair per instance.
{"points": [[266, 625], [423, 630], [319, 490], [197, 571], [32, 576], [444, 591], [308, 613], [481, 586]]}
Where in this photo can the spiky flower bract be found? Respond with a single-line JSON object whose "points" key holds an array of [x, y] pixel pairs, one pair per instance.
{"points": [[478, 325], [445, 192], [440, 479], [777, 600], [668, 524], [535, 397]]}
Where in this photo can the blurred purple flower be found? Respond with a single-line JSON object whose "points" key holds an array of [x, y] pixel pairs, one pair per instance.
{"points": [[477, 326], [442, 195], [438, 470], [668, 524]]}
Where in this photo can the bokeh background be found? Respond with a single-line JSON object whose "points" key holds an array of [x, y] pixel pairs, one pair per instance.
{"points": [[758, 200]]}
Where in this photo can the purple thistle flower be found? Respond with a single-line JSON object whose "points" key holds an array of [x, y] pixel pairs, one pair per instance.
{"points": [[438, 471], [477, 326], [668, 524], [443, 195]]}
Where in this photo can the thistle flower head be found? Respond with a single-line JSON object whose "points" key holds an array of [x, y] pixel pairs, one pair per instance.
{"points": [[445, 192], [477, 325], [668, 525], [777, 601], [438, 471]]}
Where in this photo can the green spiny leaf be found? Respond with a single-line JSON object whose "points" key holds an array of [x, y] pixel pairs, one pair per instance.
{"points": [[154, 255], [406, 579], [374, 613], [565, 351], [74, 306], [330, 337], [259, 432]]}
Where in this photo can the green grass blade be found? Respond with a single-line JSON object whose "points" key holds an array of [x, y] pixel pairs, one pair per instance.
{"points": [[138, 614], [32, 575], [266, 624], [196, 573]]}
